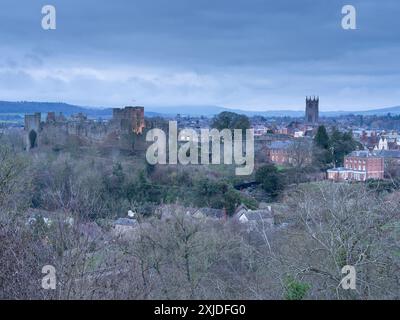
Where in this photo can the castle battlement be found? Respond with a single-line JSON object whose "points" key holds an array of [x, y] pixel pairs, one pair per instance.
{"points": [[129, 119]]}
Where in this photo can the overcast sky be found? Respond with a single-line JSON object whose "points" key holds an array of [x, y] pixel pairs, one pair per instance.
{"points": [[249, 54]]}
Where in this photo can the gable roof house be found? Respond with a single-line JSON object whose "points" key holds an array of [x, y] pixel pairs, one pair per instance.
{"points": [[124, 227], [210, 213], [240, 211], [167, 211], [260, 218]]}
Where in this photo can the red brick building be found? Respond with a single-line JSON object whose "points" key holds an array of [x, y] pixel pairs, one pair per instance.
{"points": [[359, 166], [278, 152]]}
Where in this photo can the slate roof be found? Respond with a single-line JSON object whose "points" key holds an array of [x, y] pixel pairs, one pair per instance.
{"points": [[212, 213], [125, 222], [280, 144], [388, 153], [339, 169], [361, 154], [258, 215]]}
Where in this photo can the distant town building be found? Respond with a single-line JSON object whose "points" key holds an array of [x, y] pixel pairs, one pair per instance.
{"points": [[382, 144], [278, 152], [290, 152], [79, 117], [388, 142], [260, 130], [374, 140], [312, 110], [388, 155], [298, 134], [369, 139], [359, 166]]}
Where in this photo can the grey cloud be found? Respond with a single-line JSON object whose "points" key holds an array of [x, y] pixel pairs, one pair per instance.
{"points": [[244, 53]]}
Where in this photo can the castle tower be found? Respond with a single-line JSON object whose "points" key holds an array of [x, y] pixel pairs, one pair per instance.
{"points": [[129, 119], [32, 129], [51, 117], [312, 110]]}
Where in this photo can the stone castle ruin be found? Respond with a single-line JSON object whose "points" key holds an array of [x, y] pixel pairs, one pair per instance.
{"points": [[32, 129], [129, 119], [124, 130]]}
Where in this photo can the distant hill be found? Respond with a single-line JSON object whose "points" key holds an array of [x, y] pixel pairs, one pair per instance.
{"points": [[210, 111], [67, 109], [213, 110], [22, 107], [377, 112], [384, 111]]}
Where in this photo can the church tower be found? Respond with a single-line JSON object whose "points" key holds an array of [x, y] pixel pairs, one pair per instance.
{"points": [[312, 110]]}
